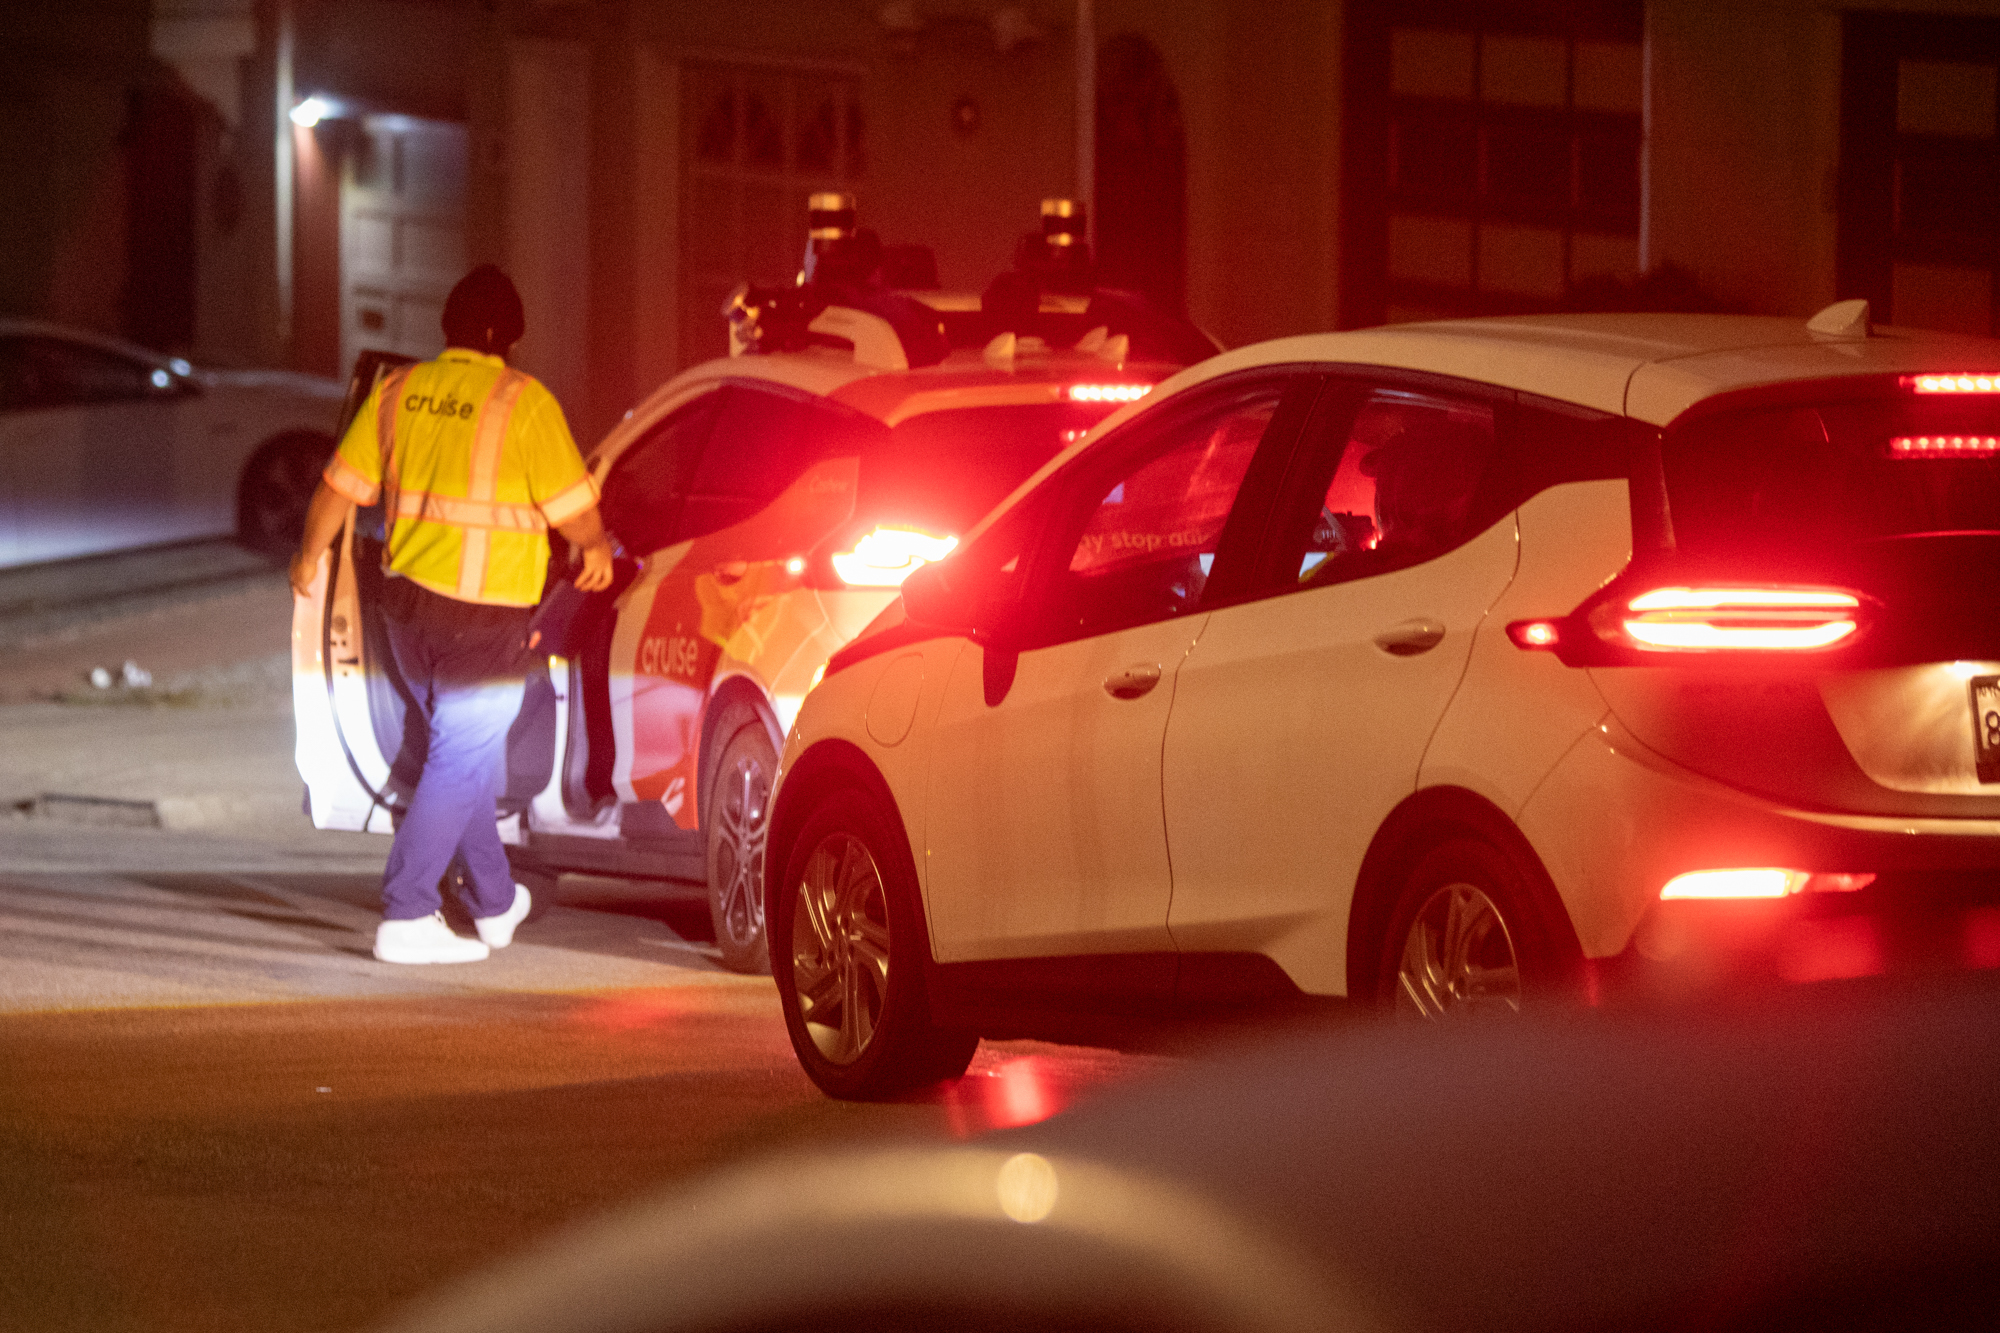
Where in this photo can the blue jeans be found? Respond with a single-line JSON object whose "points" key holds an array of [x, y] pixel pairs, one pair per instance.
{"points": [[465, 666]]}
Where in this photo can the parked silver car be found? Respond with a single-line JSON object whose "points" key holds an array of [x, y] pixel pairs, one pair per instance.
{"points": [[105, 446]]}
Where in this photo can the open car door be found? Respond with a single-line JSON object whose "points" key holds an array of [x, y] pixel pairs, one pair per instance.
{"points": [[347, 703]]}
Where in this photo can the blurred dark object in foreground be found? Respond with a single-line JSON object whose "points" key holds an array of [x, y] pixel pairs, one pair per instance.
{"points": [[1819, 1158]]}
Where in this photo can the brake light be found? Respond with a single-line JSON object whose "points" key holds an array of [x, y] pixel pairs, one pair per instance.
{"points": [[887, 556], [1535, 633], [1759, 882], [1944, 446], [1722, 619], [1988, 382], [1108, 393], [1763, 882]]}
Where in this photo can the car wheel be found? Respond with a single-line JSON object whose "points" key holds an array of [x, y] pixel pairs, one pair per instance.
{"points": [[275, 489], [848, 940], [1464, 938], [737, 822]]}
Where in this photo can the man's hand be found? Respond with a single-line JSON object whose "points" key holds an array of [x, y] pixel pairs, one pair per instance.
{"points": [[585, 533], [596, 573], [305, 568], [324, 517]]}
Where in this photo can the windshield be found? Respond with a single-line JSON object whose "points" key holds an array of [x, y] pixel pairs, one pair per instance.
{"points": [[943, 470], [1831, 476]]}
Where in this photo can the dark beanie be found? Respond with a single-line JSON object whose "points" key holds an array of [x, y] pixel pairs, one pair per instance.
{"points": [[484, 312]]}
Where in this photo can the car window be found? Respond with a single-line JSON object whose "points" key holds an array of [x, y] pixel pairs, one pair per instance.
{"points": [[759, 446], [721, 459], [66, 374], [1148, 544], [1825, 478], [942, 471], [643, 494], [1404, 477]]}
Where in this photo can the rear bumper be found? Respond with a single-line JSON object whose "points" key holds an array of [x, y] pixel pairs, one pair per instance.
{"points": [[1615, 822], [1908, 923]]}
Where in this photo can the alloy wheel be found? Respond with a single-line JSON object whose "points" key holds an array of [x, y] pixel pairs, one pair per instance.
{"points": [[840, 948], [744, 819], [1458, 958]]}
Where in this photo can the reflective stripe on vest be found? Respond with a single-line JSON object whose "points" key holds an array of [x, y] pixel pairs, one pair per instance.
{"points": [[385, 424], [391, 388], [494, 414], [492, 515], [476, 513]]}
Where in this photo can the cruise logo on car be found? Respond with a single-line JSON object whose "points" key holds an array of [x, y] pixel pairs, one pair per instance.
{"points": [[674, 657]]}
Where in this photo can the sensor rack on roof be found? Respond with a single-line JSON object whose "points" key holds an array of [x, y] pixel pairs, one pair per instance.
{"points": [[836, 301], [1007, 349]]}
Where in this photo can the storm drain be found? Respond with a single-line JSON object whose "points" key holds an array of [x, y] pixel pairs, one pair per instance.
{"points": [[99, 811]]}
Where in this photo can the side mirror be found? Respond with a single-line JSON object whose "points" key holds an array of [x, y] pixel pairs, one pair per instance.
{"points": [[930, 598]]}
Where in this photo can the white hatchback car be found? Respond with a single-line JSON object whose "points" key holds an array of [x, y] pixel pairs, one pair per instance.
{"points": [[105, 446], [1438, 666]]}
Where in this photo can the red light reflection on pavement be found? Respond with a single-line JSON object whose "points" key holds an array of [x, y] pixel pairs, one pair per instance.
{"points": [[1832, 950], [631, 1009], [1022, 1091], [1979, 943]]}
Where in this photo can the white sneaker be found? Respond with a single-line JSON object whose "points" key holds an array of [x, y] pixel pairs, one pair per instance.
{"points": [[498, 931], [426, 940]]}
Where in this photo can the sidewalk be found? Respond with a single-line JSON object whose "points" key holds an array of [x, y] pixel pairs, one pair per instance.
{"points": [[206, 747]]}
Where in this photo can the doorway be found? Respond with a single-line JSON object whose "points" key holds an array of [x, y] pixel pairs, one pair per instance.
{"points": [[402, 234]]}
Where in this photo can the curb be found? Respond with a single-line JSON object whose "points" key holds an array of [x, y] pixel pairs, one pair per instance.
{"points": [[174, 813]]}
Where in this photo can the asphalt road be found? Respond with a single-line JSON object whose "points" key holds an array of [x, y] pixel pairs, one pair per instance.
{"points": [[218, 1112]]}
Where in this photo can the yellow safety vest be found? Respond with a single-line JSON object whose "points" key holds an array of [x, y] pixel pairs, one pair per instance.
{"points": [[480, 465]]}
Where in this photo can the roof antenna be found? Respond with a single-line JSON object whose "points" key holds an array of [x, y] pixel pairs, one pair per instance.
{"points": [[1843, 321]]}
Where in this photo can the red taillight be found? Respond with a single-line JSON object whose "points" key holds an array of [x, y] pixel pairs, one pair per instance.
{"points": [[885, 557], [1944, 446], [1983, 382], [1759, 882], [1535, 633], [1108, 393], [1697, 620]]}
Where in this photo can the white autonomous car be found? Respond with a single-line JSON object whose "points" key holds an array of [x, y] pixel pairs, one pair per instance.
{"points": [[1440, 666]]}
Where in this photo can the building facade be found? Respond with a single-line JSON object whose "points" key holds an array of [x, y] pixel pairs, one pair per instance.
{"points": [[1278, 166]]}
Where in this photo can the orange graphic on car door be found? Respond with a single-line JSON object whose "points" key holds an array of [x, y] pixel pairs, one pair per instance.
{"points": [[692, 602]]}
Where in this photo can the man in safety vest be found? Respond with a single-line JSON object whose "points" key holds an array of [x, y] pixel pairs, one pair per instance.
{"points": [[473, 463]]}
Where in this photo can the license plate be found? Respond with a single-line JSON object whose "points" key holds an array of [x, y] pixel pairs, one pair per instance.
{"points": [[1986, 726]]}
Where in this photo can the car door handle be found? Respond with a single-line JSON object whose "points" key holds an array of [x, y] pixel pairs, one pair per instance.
{"points": [[1132, 682], [1410, 638]]}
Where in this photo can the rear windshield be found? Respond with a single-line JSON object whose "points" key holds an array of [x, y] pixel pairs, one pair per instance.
{"points": [[943, 470], [1826, 477]]}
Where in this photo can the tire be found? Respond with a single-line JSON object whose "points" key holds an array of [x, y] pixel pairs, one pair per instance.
{"points": [[275, 489], [1465, 939], [736, 825], [848, 938]]}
